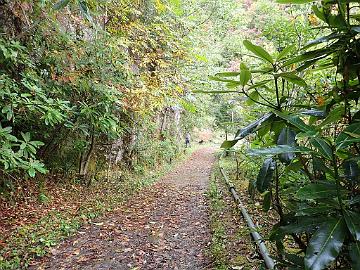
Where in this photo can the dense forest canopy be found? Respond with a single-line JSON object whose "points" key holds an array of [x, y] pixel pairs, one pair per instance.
{"points": [[91, 86]]}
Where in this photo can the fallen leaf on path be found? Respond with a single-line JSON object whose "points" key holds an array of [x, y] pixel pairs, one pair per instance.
{"points": [[54, 251], [82, 259], [99, 224]]}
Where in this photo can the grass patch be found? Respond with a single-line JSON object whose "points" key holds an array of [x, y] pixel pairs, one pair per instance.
{"points": [[217, 249]]}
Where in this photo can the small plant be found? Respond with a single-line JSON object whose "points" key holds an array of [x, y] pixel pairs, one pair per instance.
{"points": [[43, 198], [217, 247]]}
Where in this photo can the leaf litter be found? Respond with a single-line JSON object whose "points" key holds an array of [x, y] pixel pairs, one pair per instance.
{"points": [[164, 227]]}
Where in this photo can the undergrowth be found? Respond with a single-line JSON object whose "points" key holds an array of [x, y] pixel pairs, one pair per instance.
{"points": [[217, 249]]}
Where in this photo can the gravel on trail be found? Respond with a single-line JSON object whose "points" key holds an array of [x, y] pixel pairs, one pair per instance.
{"points": [[165, 226]]}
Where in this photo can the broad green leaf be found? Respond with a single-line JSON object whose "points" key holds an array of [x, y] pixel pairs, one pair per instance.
{"points": [[227, 74], [293, 78], [354, 251], [22, 145], [228, 144], [253, 96], [325, 244], [314, 112], [344, 139], [258, 51], [320, 166], [298, 225], [259, 84], [267, 201], [31, 172], [336, 20], [352, 220], [321, 40], [265, 70], [316, 210], [219, 79], [265, 129], [276, 150], [317, 191], [277, 126], [286, 137], [245, 76], [297, 122], [309, 56], [351, 170], [354, 135], [188, 106], [295, 166], [333, 116], [26, 136], [232, 84], [249, 129], [319, 13], [323, 146], [285, 52], [356, 29], [264, 177], [243, 67], [40, 168]]}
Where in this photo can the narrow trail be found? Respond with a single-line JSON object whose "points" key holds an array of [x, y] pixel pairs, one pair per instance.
{"points": [[166, 226]]}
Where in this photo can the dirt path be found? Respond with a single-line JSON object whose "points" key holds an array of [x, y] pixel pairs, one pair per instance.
{"points": [[164, 227]]}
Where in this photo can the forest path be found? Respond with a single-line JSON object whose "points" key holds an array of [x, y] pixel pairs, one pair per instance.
{"points": [[166, 226]]}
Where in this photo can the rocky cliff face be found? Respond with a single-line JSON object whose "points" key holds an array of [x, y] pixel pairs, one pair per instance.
{"points": [[12, 17]]}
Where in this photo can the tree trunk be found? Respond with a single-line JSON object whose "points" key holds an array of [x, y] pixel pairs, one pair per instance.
{"points": [[85, 160]]}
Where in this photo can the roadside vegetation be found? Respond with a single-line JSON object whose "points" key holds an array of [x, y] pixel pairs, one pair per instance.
{"points": [[231, 245], [217, 247], [96, 96], [305, 89]]}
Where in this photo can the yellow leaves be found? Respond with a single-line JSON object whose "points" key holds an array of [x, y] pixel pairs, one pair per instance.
{"points": [[162, 64], [313, 20], [160, 7], [141, 100], [201, 58], [320, 101], [179, 90], [150, 96]]}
